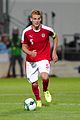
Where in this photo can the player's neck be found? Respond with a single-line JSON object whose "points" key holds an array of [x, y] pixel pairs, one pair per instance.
{"points": [[36, 28]]}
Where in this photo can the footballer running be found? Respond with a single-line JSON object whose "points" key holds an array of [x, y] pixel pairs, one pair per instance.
{"points": [[36, 45]]}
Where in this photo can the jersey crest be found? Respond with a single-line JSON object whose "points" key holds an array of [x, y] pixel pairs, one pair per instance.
{"points": [[43, 35]]}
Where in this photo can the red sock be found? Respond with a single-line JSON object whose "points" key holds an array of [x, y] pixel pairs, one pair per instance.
{"points": [[45, 84], [35, 90]]}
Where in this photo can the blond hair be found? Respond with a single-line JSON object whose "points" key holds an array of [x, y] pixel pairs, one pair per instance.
{"points": [[36, 12]]}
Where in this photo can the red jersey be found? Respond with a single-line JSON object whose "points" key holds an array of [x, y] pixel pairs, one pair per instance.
{"points": [[38, 40]]}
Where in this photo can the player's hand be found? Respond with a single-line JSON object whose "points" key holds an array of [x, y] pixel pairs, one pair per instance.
{"points": [[54, 57], [33, 53]]}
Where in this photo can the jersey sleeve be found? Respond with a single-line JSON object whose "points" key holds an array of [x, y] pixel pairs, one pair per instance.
{"points": [[24, 38], [52, 33]]}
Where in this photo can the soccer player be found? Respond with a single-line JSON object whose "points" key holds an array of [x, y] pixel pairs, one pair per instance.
{"points": [[36, 45]]}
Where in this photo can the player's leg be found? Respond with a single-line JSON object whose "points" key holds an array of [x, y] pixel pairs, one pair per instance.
{"points": [[32, 75], [45, 81], [36, 91], [44, 69]]}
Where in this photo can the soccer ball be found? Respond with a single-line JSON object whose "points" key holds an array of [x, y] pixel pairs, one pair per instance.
{"points": [[29, 104]]}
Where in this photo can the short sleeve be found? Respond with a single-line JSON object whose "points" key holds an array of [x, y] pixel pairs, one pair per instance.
{"points": [[24, 38]]}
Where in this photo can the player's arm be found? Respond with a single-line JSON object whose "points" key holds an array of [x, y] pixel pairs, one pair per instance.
{"points": [[33, 53], [54, 52]]}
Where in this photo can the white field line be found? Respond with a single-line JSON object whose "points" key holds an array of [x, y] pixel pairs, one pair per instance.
{"points": [[57, 94], [13, 94], [6, 103], [59, 104]]}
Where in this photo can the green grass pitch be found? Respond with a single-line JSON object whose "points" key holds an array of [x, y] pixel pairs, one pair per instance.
{"points": [[64, 106]]}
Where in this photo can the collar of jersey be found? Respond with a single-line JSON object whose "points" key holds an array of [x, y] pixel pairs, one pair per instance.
{"points": [[36, 30]]}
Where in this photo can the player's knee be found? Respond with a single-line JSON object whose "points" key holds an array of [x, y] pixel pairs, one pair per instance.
{"points": [[44, 76], [35, 84]]}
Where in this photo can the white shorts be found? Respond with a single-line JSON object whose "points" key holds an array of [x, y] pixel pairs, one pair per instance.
{"points": [[34, 68]]}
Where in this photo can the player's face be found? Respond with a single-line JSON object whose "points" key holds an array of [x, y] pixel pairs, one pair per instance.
{"points": [[36, 20]]}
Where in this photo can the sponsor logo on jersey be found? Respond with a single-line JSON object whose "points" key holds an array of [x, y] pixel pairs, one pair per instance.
{"points": [[30, 36]]}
